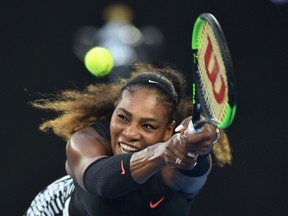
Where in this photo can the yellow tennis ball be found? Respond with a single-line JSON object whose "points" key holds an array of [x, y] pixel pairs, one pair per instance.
{"points": [[98, 61]]}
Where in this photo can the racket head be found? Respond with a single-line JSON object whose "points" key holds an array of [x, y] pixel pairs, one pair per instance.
{"points": [[213, 74]]}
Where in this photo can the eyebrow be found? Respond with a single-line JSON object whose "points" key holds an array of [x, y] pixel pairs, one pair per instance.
{"points": [[142, 119]]}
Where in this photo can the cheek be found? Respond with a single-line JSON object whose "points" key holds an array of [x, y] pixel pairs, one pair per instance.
{"points": [[113, 122], [113, 130]]}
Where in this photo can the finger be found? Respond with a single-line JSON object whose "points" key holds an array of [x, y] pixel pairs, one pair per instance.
{"points": [[183, 125], [185, 163], [179, 128], [177, 159]]}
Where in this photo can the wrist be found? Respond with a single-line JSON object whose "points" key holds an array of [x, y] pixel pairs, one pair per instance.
{"points": [[202, 166], [218, 135]]}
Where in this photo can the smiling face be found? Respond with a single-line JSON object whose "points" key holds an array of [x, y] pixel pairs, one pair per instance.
{"points": [[139, 120]]}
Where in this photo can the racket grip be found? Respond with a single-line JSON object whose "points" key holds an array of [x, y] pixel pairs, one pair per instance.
{"points": [[192, 129]]}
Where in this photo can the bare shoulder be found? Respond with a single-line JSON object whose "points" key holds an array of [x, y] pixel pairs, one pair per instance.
{"points": [[89, 142], [84, 147], [87, 133]]}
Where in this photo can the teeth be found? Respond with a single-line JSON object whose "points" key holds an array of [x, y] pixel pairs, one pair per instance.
{"points": [[127, 148]]}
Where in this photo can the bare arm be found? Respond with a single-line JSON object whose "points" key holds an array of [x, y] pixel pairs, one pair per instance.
{"points": [[84, 147], [188, 186], [162, 156]]}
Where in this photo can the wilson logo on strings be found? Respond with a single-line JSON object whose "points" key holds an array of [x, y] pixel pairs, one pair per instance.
{"points": [[212, 72]]}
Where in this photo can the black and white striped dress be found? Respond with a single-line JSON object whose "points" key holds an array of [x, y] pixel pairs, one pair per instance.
{"points": [[52, 200]]}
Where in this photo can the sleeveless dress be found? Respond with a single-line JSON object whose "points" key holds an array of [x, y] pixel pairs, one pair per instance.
{"points": [[64, 197]]}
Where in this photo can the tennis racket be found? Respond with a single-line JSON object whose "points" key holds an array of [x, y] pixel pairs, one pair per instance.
{"points": [[214, 89]]}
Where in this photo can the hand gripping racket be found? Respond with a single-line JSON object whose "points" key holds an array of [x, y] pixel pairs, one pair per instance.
{"points": [[214, 90]]}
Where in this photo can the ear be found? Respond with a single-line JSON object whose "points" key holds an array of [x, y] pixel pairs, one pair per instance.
{"points": [[169, 131]]}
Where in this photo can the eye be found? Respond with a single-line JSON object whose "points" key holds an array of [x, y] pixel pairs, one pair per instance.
{"points": [[122, 118], [149, 127]]}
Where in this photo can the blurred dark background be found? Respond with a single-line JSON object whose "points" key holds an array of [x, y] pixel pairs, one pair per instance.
{"points": [[36, 55]]}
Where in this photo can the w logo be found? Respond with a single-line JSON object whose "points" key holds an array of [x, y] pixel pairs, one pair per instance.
{"points": [[212, 69]]}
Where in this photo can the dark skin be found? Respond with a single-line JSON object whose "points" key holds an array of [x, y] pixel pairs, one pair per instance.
{"points": [[139, 125]]}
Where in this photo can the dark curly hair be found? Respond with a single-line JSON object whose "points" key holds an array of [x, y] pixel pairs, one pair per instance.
{"points": [[76, 109]]}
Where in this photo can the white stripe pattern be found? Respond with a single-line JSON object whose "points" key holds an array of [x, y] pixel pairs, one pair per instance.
{"points": [[52, 199]]}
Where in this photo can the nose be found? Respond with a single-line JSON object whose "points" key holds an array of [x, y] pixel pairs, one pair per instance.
{"points": [[132, 133]]}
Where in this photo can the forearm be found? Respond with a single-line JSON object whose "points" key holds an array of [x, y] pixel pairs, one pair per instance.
{"points": [[192, 181], [188, 182], [201, 167], [118, 175], [110, 177]]}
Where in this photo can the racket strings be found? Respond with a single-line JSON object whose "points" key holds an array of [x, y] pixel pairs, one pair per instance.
{"points": [[212, 72]]}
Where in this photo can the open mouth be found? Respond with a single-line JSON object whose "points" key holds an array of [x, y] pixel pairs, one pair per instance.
{"points": [[128, 149]]}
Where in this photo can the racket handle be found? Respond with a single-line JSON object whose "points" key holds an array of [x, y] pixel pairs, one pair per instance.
{"points": [[192, 129]]}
